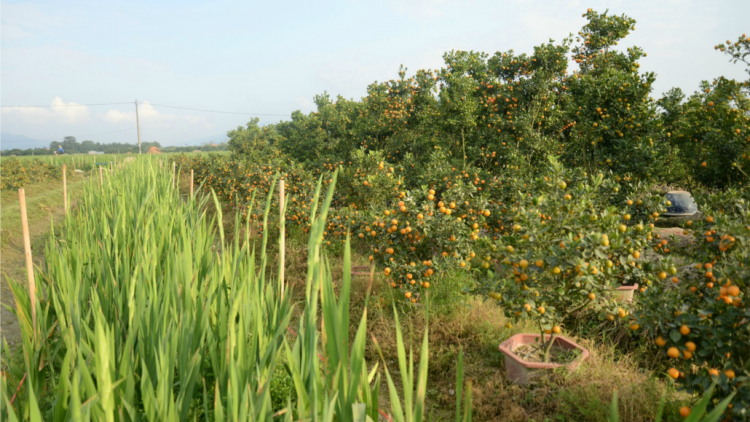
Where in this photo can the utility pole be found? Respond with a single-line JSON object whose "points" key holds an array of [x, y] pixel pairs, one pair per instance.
{"points": [[138, 124]]}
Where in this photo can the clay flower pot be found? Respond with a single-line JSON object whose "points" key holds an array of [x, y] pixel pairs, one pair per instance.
{"points": [[625, 293], [524, 373]]}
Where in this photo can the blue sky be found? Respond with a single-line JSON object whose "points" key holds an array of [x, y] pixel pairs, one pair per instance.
{"points": [[273, 57]]}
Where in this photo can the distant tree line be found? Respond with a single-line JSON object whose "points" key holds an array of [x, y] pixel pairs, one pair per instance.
{"points": [[72, 146]]}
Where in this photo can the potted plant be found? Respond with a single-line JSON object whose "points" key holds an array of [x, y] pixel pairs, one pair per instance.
{"points": [[568, 251], [522, 367], [625, 293]]}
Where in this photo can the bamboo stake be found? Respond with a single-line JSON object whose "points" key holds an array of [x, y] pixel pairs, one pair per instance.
{"points": [[65, 190], [29, 261], [191, 183], [174, 174], [282, 240], [101, 177]]}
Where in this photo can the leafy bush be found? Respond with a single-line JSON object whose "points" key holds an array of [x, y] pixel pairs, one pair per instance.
{"points": [[702, 324], [566, 252], [15, 173]]}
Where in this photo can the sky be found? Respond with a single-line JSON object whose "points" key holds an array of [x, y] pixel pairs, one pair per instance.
{"points": [[269, 58]]}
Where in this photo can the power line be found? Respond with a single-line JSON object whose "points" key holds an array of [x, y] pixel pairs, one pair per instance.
{"points": [[62, 105], [223, 112]]}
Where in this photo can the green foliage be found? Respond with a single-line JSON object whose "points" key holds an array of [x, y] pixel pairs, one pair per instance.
{"points": [[16, 173], [258, 144], [704, 319], [697, 414], [737, 51], [567, 251], [609, 100], [368, 180], [714, 137], [171, 329]]}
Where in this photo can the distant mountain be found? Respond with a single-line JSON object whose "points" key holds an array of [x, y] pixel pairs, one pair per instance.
{"points": [[11, 141]]}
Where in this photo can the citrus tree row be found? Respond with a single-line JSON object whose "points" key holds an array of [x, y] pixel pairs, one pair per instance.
{"points": [[539, 182]]}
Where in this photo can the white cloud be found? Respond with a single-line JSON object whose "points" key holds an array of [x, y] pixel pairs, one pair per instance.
{"points": [[59, 112], [117, 116], [305, 104], [148, 115]]}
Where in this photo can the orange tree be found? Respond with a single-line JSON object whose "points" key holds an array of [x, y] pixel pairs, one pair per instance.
{"points": [[711, 130], [528, 101], [714, 139], [701, 325], [615, 125], [738, 51], [237, 181], [368, 181], [415, 235], [18, 173], [566, 252], [671, 119], [254, 142]]}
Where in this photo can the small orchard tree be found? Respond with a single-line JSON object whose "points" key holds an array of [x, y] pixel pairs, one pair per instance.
{"points": [[417, 234], [459, 100], [526, 103], [609, 102], [714, 134], [701, 323], [671, 119], [711, 130], [566, 252], [738, 51], [254, 142]]}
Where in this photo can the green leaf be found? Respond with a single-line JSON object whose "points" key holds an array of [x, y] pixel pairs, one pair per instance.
{"points": [[675, 335], [614, 414]]}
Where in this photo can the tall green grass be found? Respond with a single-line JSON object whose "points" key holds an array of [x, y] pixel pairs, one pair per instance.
{"points": [[146, 311]]}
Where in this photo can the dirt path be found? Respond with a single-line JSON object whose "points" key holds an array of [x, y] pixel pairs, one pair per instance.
{"points": [[43, 202]]}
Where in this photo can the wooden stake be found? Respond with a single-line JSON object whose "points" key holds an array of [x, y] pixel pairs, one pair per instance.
{"points": [[282, 240], [191, 183], [65, 190], [29, 261]]}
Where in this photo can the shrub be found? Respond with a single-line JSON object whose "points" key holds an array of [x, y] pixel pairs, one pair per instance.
{"points": [[702, 325], [420, 235], [566, 252]]}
